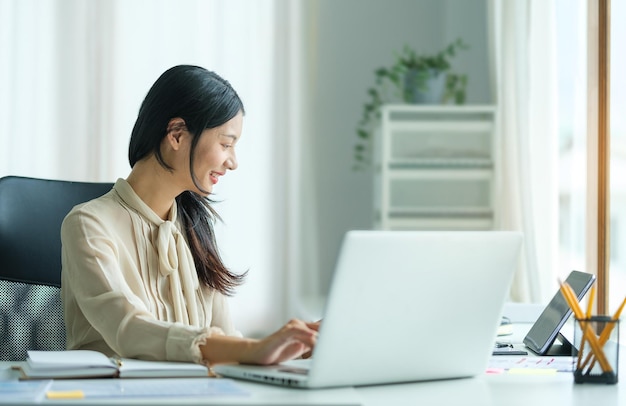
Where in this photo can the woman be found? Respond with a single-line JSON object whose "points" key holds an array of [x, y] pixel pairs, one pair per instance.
{"points": [[141, 273]]}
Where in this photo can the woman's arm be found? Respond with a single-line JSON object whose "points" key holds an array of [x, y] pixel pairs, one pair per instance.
{"points": [[292, 341]]}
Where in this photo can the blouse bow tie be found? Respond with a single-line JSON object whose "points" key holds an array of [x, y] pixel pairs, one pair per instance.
{"points": [[176, 261]]}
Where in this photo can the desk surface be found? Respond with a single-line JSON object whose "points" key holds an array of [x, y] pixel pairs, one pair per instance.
{"points": [[486, 389]]}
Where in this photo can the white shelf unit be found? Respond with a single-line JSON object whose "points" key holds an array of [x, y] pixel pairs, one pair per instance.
{"points": [[435, 168]]}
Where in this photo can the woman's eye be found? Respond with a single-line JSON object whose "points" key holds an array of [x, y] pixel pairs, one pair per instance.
{"points": [[226, 146]]}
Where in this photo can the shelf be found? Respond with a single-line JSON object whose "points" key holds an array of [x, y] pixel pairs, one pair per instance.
{"points": [[441, 163], [442, 126], [435, 168], [442, 173], [459, 212], [462, 142], [438, 224], [412, 112]]}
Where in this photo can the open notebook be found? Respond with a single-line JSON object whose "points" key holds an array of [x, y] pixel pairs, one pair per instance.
{"points": [[405, 306], [93, 364]]}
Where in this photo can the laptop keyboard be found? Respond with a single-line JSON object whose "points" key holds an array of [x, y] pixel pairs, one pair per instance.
{"points": [[292, 370]]}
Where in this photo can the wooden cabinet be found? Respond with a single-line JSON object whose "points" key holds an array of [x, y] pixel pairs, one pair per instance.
{"points": [[435, 168]]}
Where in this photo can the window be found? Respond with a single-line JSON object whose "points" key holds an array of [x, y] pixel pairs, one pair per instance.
{"points": [[617, 130], [572, 127], [591, 105]]}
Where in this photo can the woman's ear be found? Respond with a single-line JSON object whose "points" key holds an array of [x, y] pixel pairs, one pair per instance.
{"points": [[175, 129]]}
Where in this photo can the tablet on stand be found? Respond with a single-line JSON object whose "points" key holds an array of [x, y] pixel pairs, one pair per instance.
{"points": [[543, 335]]}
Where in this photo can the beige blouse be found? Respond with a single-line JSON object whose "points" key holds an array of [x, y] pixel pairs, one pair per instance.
{"points": [[129, 285]]}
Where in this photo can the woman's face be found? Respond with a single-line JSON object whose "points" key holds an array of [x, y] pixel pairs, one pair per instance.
{"points": [[215, 153]]}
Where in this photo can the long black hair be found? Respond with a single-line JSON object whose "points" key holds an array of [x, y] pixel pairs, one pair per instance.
{"points": [[203, 100]]}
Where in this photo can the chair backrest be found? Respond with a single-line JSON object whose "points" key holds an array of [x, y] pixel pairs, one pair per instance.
{"points": [[31, 213]]}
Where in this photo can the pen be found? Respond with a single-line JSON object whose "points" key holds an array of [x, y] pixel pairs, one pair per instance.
{"points": [[502, 344]]}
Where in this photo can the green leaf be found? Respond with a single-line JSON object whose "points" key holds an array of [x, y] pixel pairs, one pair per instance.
{"points": [[362, 134]]}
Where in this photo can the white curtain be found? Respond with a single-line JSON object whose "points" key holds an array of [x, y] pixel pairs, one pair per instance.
{"points": [[73, 74], [304, 298], [524, 80]]}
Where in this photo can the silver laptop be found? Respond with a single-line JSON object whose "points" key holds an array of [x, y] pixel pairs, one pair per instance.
{"points": [[405, 306]]}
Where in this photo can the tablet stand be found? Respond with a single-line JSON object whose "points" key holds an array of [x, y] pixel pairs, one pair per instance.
{"points": [[565, 348]]}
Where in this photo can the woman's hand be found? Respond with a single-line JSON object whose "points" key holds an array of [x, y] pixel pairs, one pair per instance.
{"points": [[315, 326], [294, 339]]}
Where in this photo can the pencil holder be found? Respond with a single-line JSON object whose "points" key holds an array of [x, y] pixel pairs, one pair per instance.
{"points": [[597, 357]]}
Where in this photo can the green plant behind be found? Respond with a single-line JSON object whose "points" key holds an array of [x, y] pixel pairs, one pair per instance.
{"points": [[389, 87]]}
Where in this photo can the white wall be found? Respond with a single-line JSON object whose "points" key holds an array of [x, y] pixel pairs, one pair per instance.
{"points": [[346, 41]]}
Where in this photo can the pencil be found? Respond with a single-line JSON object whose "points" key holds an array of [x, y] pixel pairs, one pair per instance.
{"points": [[592, 295], [619, 310], [588, 334], [606, 333]]}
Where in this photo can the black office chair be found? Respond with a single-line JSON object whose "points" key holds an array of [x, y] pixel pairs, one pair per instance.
{"points": [[31, 213]]}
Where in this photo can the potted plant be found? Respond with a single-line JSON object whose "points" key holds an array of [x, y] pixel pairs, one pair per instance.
{"points": [[414, 79]]}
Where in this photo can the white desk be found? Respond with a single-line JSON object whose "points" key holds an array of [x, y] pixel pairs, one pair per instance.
{"points": [[502, 389]]}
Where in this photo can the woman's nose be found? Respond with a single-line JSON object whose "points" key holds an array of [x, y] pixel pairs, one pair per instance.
{"points": [[231, 162]]}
